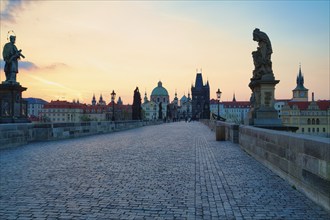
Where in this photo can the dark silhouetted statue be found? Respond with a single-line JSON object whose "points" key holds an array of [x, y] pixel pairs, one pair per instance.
{"points": [[160, 111], [262, 56], [11, 56], [136, 108]]}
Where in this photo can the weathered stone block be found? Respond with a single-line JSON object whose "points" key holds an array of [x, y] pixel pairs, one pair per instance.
{"points": [[310, 163], [324, 169], [320, 184], [295, 171], [317, 148]]}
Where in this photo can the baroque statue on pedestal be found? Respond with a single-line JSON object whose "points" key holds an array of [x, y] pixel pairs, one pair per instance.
{"points": [[11, 55]]}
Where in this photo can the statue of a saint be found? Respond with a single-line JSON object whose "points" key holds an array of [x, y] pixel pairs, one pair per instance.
{"points": [[11, 56], [261, 57]]}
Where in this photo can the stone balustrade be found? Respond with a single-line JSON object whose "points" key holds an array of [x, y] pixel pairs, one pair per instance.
{"points": [[12, 135], [302, 160]]}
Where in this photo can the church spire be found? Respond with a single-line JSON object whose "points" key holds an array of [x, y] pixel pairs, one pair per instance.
{"points": [[300, 93], [145, 97], [300, 77], [94, 100]]}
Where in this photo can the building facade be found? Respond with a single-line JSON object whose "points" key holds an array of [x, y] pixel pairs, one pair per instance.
{"points": [[185, 108], [200, 98], [233, 112], [62, 111], [34, 108], [311, 117], [159, 96], [149, 109]]}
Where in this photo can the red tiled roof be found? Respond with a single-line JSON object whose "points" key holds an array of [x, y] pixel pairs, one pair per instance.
{"points": [[63, 104], [322, 104], [237, 104], [300, 105], [231, 104]]}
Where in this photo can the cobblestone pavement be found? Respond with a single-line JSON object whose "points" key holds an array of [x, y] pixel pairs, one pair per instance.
{"points": [[169, 171]]}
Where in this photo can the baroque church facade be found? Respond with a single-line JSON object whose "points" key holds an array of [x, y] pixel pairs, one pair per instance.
{"points": [[159, 98]]}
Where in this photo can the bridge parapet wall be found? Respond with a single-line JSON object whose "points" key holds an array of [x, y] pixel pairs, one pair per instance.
{"points": [[12, 135], [302, 160]]}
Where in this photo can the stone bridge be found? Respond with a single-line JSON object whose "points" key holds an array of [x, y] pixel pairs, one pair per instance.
{"points": [[168, 171]]}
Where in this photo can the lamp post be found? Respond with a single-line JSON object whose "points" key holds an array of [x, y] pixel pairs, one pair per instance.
{"points": [[113, 96], [218, 98]]}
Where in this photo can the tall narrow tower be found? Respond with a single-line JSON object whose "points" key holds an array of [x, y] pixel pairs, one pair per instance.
{"points": [[300, 93], [200, 98]]}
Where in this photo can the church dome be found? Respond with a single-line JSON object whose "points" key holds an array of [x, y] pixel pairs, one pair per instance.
{"points": [[159, 90]]}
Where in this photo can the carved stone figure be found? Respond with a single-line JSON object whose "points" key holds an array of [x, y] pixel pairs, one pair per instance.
{"points": [[11, 56], [136, 107], [160, 111], [262, 112], [261, 57]]}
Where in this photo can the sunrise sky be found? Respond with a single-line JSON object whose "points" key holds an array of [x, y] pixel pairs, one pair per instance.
{"points": [[75, 49]]}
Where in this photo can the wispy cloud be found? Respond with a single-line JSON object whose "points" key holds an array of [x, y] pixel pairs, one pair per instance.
{"points": [[54, 66], [10, 9], [51, 85], [48, 82], [26, 65]]}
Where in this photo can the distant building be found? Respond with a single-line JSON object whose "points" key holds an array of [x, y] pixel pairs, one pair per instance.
{"points": [[233, 112], [149, 109], [312, 118], [101, 101], [95, 113], [62, 111], [300, 93], [185, 107], [278, 105], [160, 95], [200, 98], [35, 106], [173, 109]]}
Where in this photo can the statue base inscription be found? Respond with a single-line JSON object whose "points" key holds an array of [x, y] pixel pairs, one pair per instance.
{"points": [[13, 109]]}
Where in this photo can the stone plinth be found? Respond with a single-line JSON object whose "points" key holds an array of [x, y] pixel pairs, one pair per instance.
{"points": [[263, 112], [13, 109]]}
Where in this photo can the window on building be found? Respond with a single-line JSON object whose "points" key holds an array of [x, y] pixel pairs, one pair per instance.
{"points": [[317, 121], [313, 121], [323, 129], [302, 130], [317, 130], [309, 129], [313, 129], [309, 121]]}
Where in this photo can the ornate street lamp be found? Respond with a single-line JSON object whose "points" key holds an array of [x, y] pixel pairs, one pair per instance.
{"points": [[218, 98], [113, 96]]}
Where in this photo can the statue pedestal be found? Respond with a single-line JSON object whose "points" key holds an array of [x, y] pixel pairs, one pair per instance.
{"points": [[13, 109], [263, 113]]}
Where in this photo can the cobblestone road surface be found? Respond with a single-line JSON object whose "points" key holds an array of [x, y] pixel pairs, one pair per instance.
{"points": [[169, 171]]}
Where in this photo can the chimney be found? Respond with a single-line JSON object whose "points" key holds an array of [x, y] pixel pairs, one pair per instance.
{"points": [[313, 97]]}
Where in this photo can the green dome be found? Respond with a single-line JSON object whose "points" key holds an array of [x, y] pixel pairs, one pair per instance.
{"points": [[159, 90]]}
